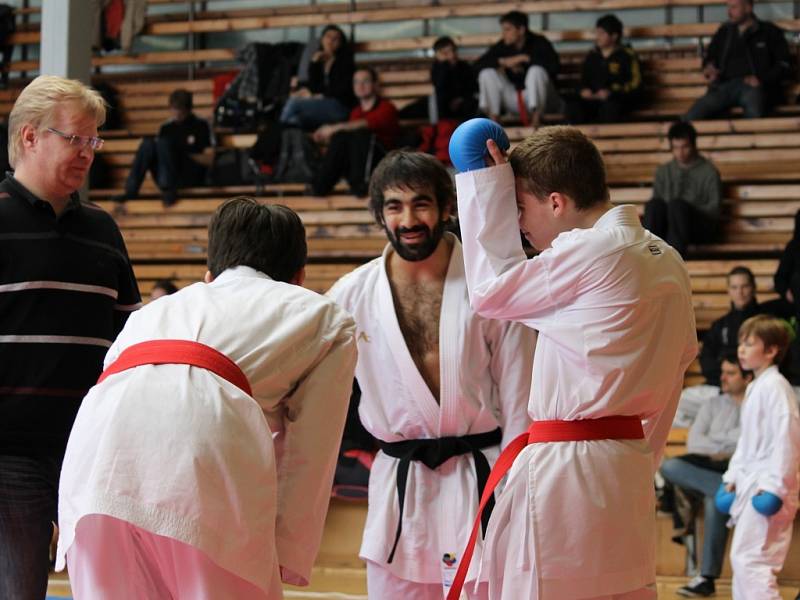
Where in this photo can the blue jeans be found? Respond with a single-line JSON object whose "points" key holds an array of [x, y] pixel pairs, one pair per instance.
{"points": [[721, 96], [310, 113], [28, 506], [704, 482]]}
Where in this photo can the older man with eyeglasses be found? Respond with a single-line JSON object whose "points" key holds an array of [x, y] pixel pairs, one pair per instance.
{"points": [[66, 289]]}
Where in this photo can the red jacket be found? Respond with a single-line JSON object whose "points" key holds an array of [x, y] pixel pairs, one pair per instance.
{"points": [[381, 119]]}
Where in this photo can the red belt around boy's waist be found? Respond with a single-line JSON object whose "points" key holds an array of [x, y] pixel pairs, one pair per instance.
{"points": [[604, 428], [179, 352]]}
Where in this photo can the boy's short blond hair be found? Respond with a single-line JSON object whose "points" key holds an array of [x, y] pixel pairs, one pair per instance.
{"points": [[771, 331], [37, 103]]}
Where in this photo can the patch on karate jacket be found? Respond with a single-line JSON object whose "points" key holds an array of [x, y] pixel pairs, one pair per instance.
{"points": [[654, 249]]}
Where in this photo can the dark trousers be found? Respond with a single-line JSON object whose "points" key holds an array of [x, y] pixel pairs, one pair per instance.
{"points": [[352, 155], [171, 169], [725, 95], [612, 110], [28, 507], [702, 480], [679, 223]]}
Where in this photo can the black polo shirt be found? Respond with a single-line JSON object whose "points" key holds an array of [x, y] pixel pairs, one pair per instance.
{"points": [[66, 290]]}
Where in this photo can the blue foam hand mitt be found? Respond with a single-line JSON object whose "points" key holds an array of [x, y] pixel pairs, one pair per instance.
{"points": [[468, 143], [724, 500], [766, 503]]}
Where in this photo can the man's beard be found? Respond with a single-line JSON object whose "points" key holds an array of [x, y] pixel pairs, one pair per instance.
{"points": [[420, 251]]}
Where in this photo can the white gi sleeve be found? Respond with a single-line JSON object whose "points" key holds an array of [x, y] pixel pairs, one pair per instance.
{"points": [[784, 428], [314, 421], [512, 346], [657, 426], [502, 282]]}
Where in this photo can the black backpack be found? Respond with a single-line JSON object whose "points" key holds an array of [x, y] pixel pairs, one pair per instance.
{"points": [[298, 157]]}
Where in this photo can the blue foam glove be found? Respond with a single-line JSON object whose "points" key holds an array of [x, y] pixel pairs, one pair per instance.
{"points": [[766, 503], [468, 143], [724, 500]]}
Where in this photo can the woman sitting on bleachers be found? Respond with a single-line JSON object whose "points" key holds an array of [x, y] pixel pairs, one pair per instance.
{"points": [[327, 96]]}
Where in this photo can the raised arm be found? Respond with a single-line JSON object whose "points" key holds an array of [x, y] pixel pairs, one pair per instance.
{"points": [[502, 282]]}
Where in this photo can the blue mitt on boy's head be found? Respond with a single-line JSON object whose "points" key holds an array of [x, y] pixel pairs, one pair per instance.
{"points": [[724, 500], [766, 503], [468, 143]]}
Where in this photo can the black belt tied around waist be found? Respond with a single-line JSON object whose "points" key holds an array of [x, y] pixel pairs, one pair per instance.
{"points": [[434, 453]]}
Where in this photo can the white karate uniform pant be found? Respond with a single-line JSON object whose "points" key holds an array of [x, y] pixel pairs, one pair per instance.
{"points": [[498, 94], [111, 558], [758, 550], [510, 583], [383, 585]]}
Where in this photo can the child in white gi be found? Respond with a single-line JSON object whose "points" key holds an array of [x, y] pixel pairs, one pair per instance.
{"points": [[763, 471]]}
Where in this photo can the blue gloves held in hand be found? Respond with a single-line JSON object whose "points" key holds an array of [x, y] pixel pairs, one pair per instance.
{"points": [[724, 500], [468, 143], [764, 503]]}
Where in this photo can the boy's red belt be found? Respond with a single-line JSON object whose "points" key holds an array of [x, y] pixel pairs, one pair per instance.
{"points": [[179, 352], [604, 428]]}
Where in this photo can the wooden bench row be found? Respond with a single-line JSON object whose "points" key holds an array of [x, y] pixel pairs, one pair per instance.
{"points": [[384, 12], [227, 22]]}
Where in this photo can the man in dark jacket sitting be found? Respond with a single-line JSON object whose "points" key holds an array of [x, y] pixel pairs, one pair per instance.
{"points": [[611, 79], [518, 73], [172, 156], [745, 64]]}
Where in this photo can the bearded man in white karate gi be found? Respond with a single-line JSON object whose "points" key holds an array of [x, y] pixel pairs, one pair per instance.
{"points": [[172, 485], [443, 389], [612, 305]]}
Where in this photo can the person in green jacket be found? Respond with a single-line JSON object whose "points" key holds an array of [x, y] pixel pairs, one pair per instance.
{"points": [[687, 194]]}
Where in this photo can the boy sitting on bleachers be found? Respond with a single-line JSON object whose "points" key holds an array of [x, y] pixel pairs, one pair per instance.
{"points": [[518, 74], [172, 155], [611, 78], [687, 194], [454, 84]]}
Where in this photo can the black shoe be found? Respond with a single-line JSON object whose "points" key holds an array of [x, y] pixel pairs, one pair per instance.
{"points": [[699, 587], [169, 199]]}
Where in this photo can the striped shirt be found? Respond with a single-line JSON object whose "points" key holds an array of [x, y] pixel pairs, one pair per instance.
{"points": [[66, 289]]}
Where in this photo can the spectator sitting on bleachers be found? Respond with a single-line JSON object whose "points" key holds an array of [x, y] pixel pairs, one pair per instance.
{"points": [[455, 88], [687, 194], [171, 155], [787, 277], [611, 78], [720, 341], [744, 65], [357, 146], [327, 95], [519, 73], [711, 442], [162, 287]]}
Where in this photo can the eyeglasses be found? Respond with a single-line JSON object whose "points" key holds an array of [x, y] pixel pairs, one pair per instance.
{"points": [[80, 141]]}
